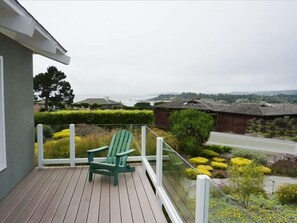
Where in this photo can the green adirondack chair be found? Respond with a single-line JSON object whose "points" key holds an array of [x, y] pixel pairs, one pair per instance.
{"points": [[116, 158]]}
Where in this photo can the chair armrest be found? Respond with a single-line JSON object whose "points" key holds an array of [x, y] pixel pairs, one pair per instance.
{"points": [[119, 155], [125, 153], [92, 152]]}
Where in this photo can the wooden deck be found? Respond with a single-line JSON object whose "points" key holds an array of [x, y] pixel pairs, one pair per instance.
{"points": [[63, 194]]}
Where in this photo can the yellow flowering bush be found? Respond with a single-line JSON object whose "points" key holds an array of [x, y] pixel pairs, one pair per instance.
{"points": [[239, 161], [265, 170], [206, 167], [191, 173], [204, 171], [209, 153], [65, 133], [218, 159], [218, 165], [198, 160], [287, 194]]}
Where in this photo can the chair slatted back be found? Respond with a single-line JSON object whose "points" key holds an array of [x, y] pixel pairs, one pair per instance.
{"points": [[121, 142]]}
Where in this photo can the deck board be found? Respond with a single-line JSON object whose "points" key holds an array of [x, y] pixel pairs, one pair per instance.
{"points": [[93, 211], [15, 209], [64, 194]]}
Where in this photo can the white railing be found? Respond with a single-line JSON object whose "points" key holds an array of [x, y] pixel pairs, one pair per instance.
{"points": [[202, 184], [253, 143]]}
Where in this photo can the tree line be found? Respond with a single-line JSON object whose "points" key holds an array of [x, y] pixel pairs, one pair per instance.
{"points": [[231, 98]]}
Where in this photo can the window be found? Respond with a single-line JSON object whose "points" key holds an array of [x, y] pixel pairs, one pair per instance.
{"points": [[2, 119]]}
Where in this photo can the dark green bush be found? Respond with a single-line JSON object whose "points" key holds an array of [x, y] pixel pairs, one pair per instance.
{"points": [[47, 131], [95, 117], [287, 194], [191, 128], [219, 149]]}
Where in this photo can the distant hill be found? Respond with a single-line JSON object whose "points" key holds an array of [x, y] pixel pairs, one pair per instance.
{"points": [[268, 93], [287, 96]]}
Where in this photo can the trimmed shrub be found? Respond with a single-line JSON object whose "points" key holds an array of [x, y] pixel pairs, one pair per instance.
{"points": [[265, 170], [191, 173], [257, 157], [218, 159], [95, 117], [207, 167], [65, 133], [239, 161], [204, 172], [209, 153], [198, 160], [218, 165], [287, 194]]}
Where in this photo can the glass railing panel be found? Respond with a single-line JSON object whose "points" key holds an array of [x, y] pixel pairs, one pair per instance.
{"points": [[55, 142], [176, 182], [95, 136], [151, 144], [223, 208]]}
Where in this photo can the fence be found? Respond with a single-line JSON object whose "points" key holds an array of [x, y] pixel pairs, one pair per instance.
{"points": [[253, 143]]}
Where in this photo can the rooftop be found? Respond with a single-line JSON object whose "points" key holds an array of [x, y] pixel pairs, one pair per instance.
{"points": [[98, 101], [258, 109]]}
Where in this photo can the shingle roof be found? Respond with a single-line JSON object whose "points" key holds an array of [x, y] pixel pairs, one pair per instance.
{"points": [[201, 104], [98, 101], [257, 109]]}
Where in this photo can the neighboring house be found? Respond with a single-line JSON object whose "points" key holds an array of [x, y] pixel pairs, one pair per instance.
{"points": [[229, 118], [40, 105], [21, 36], [104, 103], [162, 111], [234, 118]]}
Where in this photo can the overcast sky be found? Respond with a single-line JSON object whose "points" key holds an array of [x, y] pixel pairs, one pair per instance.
{"points": [[151, 47]]}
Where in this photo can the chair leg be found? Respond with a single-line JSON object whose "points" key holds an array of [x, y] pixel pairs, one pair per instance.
{"points": [[116, 179], [90, 176]]}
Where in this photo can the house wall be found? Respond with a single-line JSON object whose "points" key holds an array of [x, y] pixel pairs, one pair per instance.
{"points": [[161, 116], [228, 122], [18, 95]]}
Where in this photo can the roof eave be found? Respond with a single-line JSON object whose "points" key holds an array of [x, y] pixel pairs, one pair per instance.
{"points": [[18, 24]]}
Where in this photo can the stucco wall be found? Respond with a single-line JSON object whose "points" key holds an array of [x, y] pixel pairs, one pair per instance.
{"points": [[18, 93]]}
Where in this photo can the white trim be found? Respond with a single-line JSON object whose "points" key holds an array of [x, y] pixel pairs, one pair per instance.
{"points": [[2, 119]]}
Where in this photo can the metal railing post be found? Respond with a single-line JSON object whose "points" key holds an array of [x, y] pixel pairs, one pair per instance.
{"points": [[143, 141], [40, 145], [159, 167], [202, 199], [72, 145]]}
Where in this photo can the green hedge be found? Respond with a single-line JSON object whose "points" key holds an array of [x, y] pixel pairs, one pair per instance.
{"points": [[95, 117]]}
